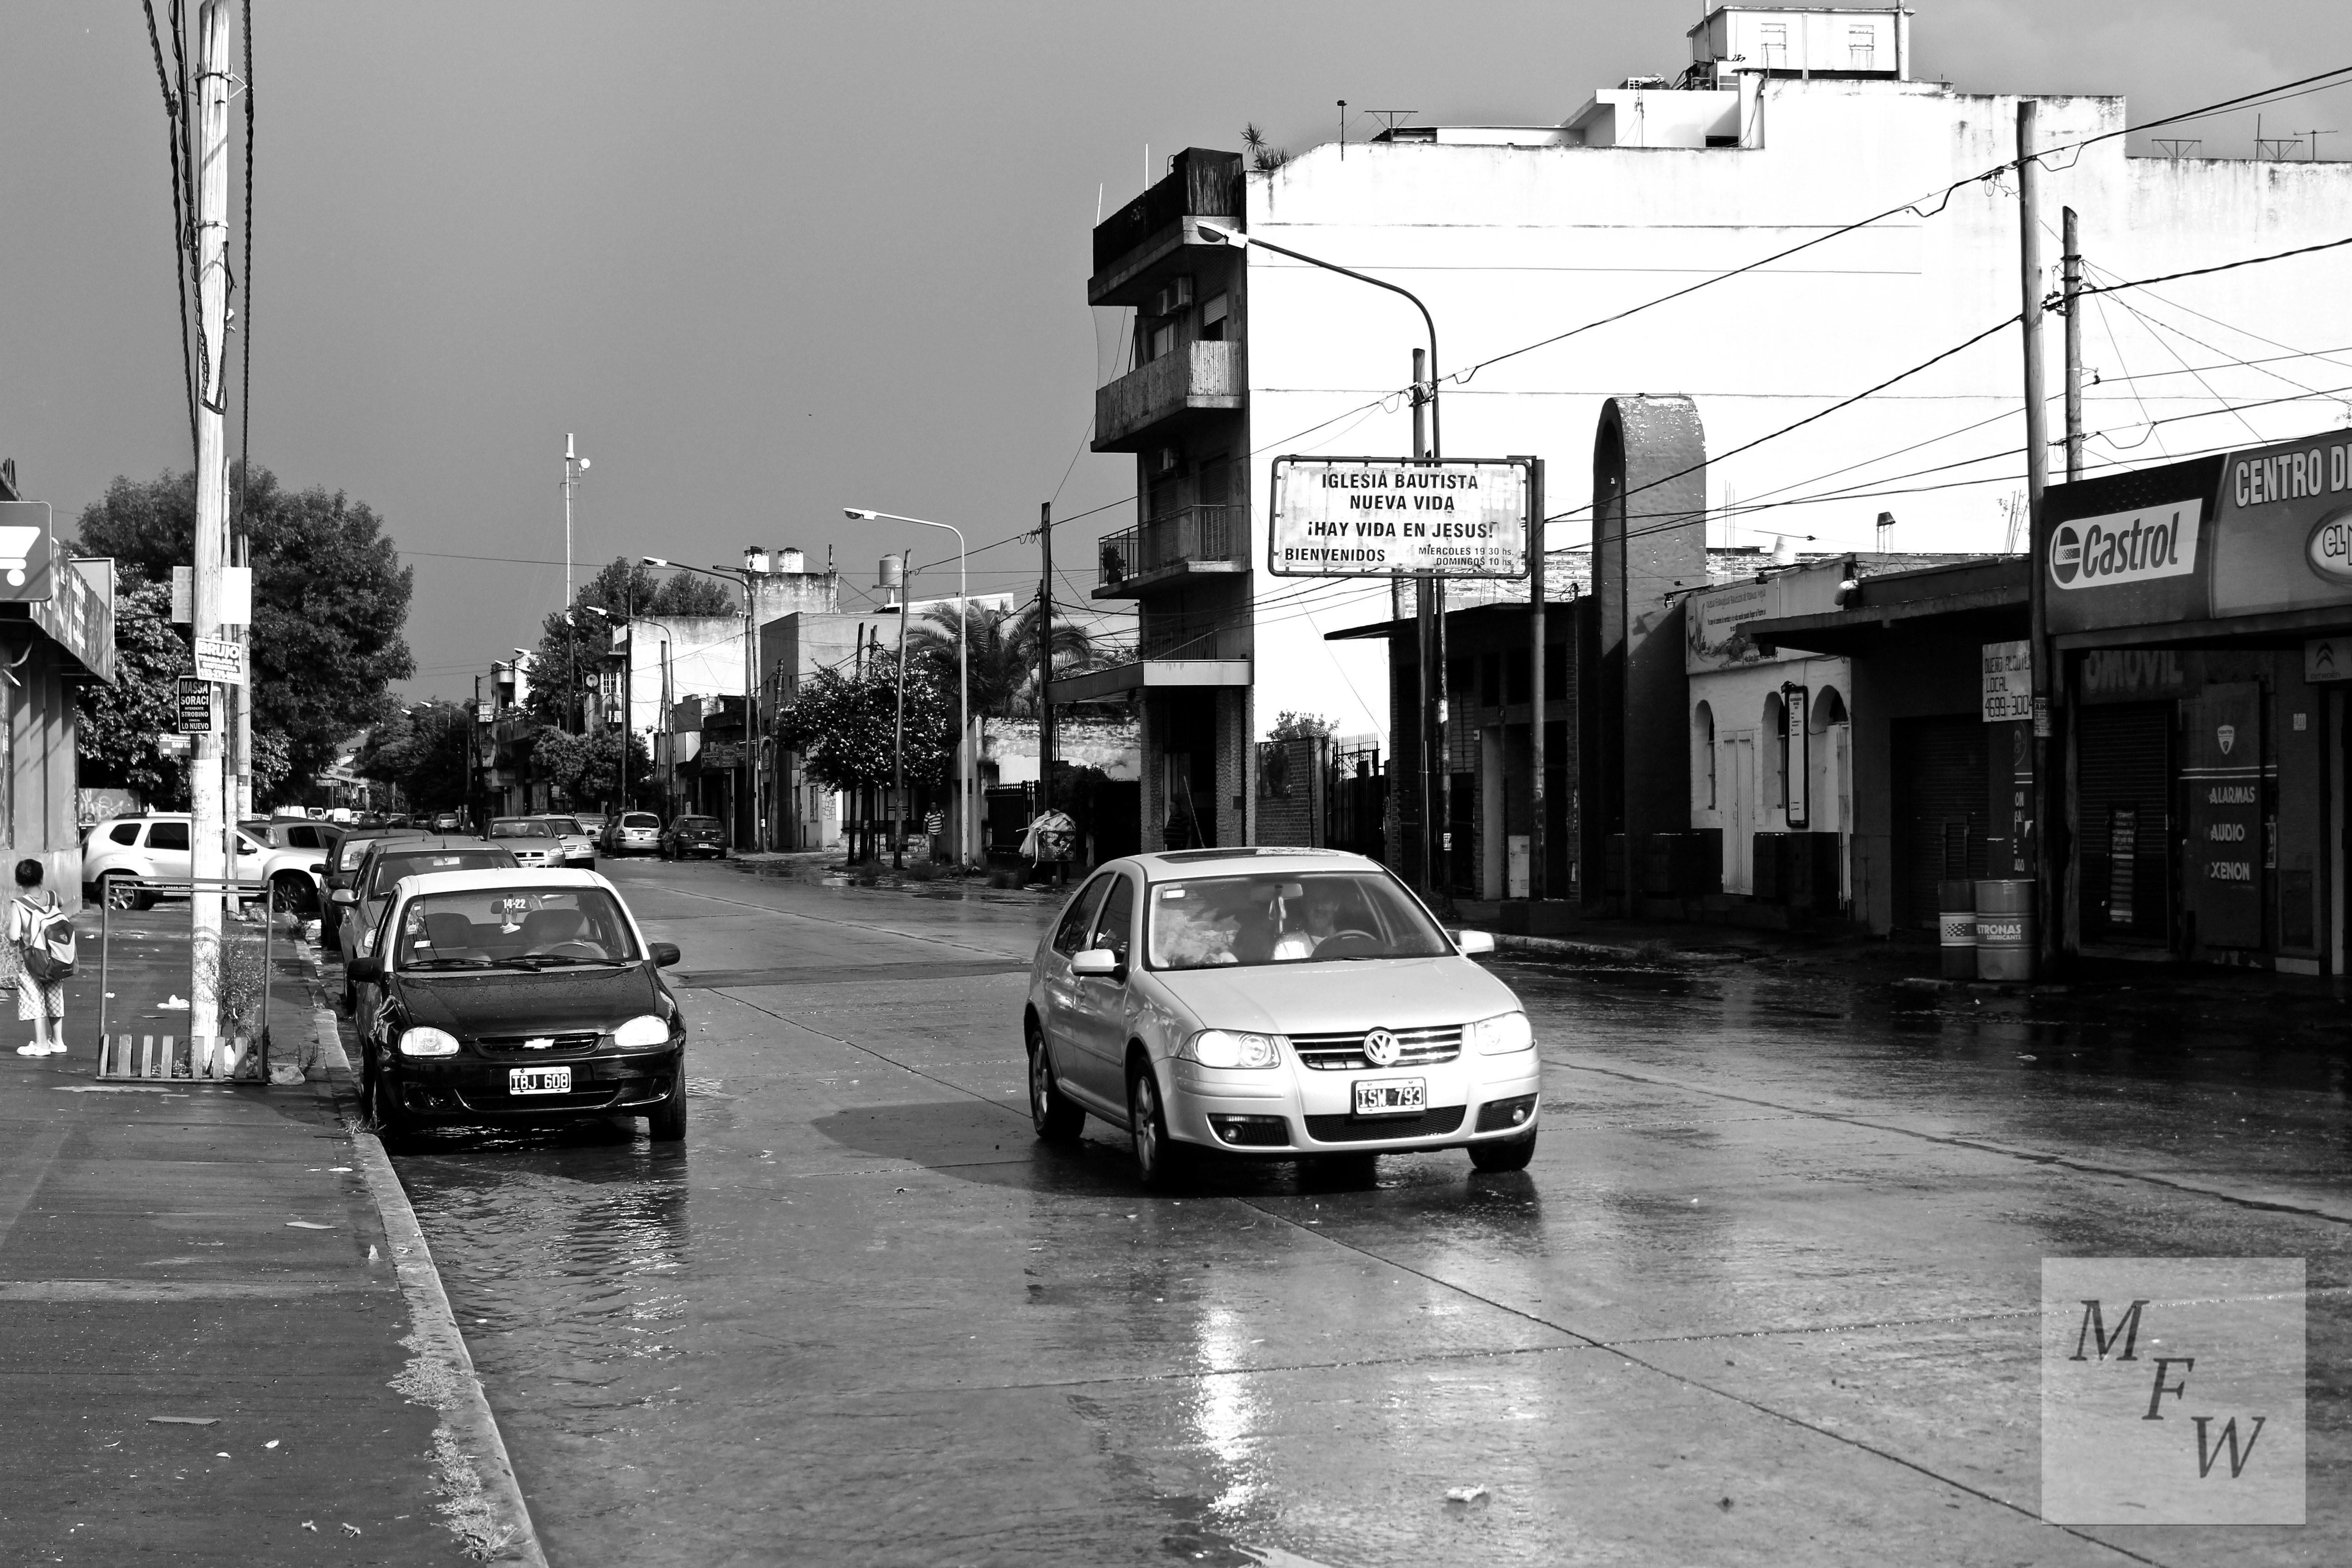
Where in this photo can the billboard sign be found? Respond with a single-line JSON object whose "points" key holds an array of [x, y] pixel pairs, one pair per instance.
{"points": [[25, 551], [2283, 538], [2008, 681], [1380, 517]]}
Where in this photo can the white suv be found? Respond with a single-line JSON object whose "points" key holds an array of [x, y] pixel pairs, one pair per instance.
{"points": [[131, 860]]}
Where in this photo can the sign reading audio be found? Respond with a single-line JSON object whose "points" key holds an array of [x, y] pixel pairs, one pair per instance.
{"points": [[1377, 516]]}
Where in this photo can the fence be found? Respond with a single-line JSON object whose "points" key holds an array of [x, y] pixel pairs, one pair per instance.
{"points": [[240, 1055]]}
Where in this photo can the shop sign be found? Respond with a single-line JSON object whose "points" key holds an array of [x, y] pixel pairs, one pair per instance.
{"points": [[2143, 566], [2283, 538], [221, 659], [2328, 659], [195, 706], [1716, 620], [1797, 761], [2008, 681], [2119, 674], [2222, 746], [25, 551], [1377, 516]]}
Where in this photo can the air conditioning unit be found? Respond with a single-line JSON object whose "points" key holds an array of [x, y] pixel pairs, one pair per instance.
{"points": [[1174, 295]]}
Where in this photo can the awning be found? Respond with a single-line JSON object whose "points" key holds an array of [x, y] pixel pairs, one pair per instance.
{"points": [[1151, 673], [1994, 613]]}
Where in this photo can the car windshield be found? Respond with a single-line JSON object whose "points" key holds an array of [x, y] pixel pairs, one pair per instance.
{"points": [[391, 869], [514, 928], [509, 828], [564, 825], [1209, 921]]}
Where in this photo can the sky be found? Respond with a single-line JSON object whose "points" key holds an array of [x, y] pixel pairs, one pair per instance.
{"points": [[767, 261]]}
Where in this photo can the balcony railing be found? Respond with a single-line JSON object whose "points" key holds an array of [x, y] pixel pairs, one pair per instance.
{"points": [[1206, 535], [1192, 378]]}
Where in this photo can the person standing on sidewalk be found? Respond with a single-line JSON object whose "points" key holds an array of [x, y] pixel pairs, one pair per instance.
{"points": [[40, 1002]]}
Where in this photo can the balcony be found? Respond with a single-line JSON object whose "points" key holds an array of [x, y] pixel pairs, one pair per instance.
{"points": [[1136, 242], [1197, 380], [1192, 541]]}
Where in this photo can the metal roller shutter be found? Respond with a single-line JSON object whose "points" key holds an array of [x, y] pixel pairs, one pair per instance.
{"points": [[1941, 809], [2123, 815]]}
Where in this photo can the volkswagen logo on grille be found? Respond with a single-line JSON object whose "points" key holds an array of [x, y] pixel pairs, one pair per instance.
{"points": [[1381, 1047]]}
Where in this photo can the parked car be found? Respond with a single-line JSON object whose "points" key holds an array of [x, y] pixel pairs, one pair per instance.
{"points": [[340, 870], [296, 869], [631, 832], [1269, 1001], [519, 996], [125, 862], [577, 849], [382, 864], [531, 839], [691, 836], [447, 822]]}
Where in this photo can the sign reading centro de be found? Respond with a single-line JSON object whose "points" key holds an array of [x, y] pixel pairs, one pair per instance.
{"points": [[1377, 516], [2124, 547]]}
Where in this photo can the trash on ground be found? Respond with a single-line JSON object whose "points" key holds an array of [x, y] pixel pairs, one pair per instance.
{"points": [[185, 1420], [271, 1444], [174, 1004], [1465, 1494], [306, 1225]]}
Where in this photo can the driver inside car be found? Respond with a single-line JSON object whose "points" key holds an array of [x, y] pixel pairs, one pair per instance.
{"points": [[1310, 915]]}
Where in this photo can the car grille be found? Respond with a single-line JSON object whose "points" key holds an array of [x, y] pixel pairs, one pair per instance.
{"points": [[588, 1100], [1345, 1053], [1430, 1123], [513, 1046]]}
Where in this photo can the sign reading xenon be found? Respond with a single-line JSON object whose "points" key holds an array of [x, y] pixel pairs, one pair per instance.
{"points": [[1377, 516]]}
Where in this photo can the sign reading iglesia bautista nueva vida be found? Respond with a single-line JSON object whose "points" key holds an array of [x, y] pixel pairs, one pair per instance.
{"points": [[1377, 516]]}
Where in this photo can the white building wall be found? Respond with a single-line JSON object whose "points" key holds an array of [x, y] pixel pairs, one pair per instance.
{"points": [[1509, 244]]}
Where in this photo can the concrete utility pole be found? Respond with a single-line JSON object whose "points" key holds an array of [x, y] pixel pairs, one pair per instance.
{"points": [[2037, 471], [209, 863], [1535, 678], [2071, 264], [574, 464], [1046, 660], [240, 699]]}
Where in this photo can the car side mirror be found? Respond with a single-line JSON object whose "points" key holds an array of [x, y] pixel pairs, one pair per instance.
{"points": [[364, 970], [1096, 963], [665, 954], [343, 896], [1474, 943]]}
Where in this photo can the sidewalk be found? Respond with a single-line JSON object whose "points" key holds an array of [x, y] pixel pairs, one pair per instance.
{"points": [[218, 1256]]}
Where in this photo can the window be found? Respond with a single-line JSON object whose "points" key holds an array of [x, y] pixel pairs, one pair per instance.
{"points": [[302, 838], [1703, 764], [1117, 919], [1071, 934], [516, 928], [390, 869], [125, 833], [1214, 316], [1861, 48], [1209, 922], [167, 835], [512, 827], [1160, 340], [1776, 45]]}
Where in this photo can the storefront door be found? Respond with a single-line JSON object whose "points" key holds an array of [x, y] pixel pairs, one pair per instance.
{"points": [[2222, 751], [2123, 821]]}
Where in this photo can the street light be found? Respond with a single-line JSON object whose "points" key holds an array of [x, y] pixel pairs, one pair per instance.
{"points": [[1437, 813], [751, 682], [575, 466], [621, 767], [967, 772]]}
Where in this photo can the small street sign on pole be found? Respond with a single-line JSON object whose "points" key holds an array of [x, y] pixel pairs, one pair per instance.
{"points": [[221, 659], [195, 706]]}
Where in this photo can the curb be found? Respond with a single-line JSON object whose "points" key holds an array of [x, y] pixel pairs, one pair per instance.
{"points": [[1511, 942], [483, 1504]]}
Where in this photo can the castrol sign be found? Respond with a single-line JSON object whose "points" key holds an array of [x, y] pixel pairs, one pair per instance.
{"points": [[2124, 547]]}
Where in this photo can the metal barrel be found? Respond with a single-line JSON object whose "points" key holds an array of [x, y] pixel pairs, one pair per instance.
{"points": [[2005, 936], [1956, 928]]}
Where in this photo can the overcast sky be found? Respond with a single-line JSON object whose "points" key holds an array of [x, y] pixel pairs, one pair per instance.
{"points": [[769, 260]]}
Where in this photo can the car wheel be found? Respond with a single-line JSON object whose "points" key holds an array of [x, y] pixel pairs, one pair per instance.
{"points": [[666, 1124], [1057, 1118], [289, 895], [120, 892], [1505, 1154], [392, 1122], [1162, 1161]]}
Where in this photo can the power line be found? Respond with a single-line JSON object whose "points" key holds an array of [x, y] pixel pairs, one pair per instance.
{"points": [[2219, 266]]}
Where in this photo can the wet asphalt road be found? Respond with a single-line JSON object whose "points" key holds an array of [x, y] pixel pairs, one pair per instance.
{"points": [[1768, 1293]]}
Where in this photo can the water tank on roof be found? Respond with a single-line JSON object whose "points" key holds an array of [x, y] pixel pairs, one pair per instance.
{"points": [[790, 559]]}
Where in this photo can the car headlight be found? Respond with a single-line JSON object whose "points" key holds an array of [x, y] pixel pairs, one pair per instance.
{"points": [[641, 1031], [429, 1043], [1500, 1036], [1230, 1048]]}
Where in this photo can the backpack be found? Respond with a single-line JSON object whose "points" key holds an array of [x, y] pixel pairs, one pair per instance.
{"points": [[49, 946]]}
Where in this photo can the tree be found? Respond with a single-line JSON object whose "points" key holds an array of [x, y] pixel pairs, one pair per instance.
{"points": [[621, 589], [1003, 657], [1293, 725], [120, 722], [841, 726], [423, 753], [1265, 156], [584, 771], [330, 599]]}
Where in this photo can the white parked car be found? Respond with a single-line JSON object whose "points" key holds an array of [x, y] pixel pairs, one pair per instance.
{"points": [[578, 846], [530, 839], [1272, 1002], [131, 862]]}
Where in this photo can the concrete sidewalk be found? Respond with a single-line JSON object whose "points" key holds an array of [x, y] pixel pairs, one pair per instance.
{"points": [[218, 1258]]}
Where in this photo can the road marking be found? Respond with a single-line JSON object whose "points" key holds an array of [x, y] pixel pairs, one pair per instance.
{"points": [[822, 919]]}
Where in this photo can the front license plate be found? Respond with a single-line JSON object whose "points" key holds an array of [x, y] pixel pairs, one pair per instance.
{"points": [[539, 1080], [1392, 1096]]}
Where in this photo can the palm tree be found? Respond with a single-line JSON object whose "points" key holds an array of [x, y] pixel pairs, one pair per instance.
{"points": [[1002, 650]]}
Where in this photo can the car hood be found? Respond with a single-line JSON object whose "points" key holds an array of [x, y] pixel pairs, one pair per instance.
{"points": [[511, 1002], [1310, 998]]}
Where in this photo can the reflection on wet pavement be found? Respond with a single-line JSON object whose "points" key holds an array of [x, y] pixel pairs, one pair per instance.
{"points": [[1771, 1280]]}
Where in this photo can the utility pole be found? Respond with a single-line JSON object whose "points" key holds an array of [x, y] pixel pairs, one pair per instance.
{"points": [[1536, 693], [211, 826], [899, 723], [1425, 652], [573, 465], [2071, 265], [1046, 661], [2037, 470], [240, 699]]}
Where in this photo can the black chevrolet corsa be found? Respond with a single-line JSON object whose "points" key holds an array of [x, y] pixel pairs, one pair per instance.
{"points": [[514, 996]]}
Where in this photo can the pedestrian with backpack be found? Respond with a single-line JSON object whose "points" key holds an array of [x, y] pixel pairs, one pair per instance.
{"points": [[39, 946]]}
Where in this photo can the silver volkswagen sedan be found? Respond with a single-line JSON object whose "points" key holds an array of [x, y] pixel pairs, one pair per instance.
{"points": [[1274, 1002]]}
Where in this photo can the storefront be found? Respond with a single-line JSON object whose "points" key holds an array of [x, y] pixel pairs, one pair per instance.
{"points": [[2201, 617]]}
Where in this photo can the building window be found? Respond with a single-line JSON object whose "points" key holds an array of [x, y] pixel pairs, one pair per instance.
{"points": [[1861, 48], [1212, 319], [1776, 45], [1703, 765], [1161, 339]]}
